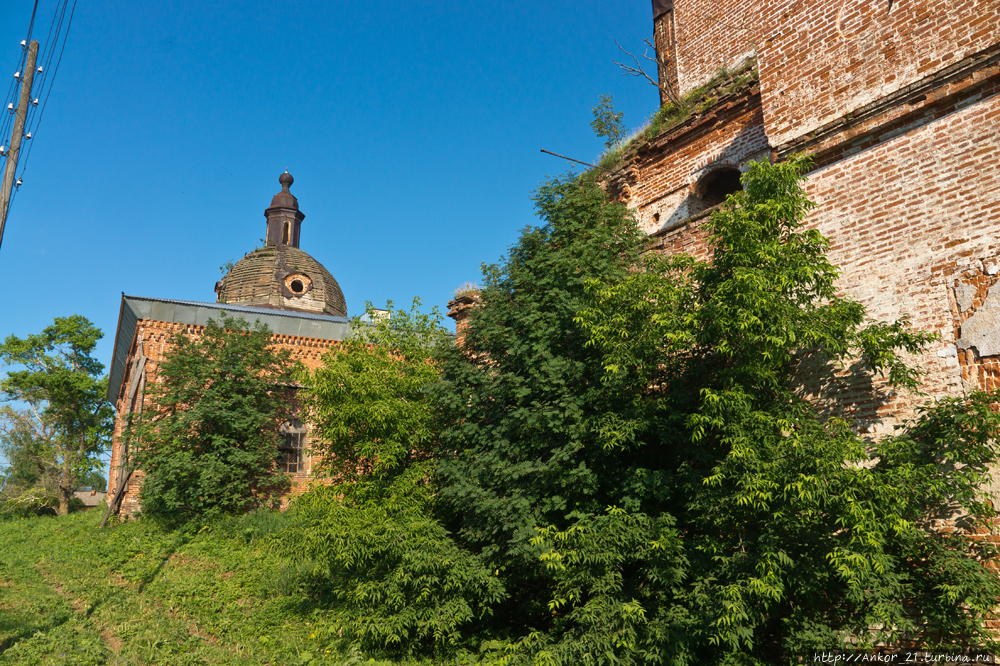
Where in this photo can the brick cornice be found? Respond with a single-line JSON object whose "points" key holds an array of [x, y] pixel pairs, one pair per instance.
{"points": [[967, 81]]}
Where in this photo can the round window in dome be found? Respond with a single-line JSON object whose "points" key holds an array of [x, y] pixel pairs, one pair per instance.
{"points": [[298, 284]]}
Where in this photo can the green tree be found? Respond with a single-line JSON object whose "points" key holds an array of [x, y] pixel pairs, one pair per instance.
{"points": [[370, 407], [528, 419], [797, 535], [66, 422], [632, 450], [208, 444], [607, 123], [371, 540]]}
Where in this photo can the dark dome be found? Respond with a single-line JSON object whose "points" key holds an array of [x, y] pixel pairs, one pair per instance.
{"points": [[285, 278], [284, 198]]}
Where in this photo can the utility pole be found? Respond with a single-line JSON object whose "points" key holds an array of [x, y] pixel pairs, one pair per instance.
{"points": [[27, 78]]}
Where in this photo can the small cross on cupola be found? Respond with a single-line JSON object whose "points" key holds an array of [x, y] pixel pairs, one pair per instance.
{"points": [[283, 217]]}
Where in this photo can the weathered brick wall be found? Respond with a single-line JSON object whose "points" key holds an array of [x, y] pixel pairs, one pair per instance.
{"points": [[155, 337], [712, 35], [820, 61], [660, 181], [914, 224], [908, 218]]}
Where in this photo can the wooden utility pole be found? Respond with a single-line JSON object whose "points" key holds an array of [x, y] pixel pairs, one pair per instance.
{"points": [[27, 78]]}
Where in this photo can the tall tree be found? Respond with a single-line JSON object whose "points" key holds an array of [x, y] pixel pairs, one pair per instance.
{"points": [[528, 418], [632, 450], [780, 531], [408, 587], [208, 443], [67, 422]]}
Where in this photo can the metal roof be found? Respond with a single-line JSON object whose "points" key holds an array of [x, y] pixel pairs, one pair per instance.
{"points": [[281, 322]]}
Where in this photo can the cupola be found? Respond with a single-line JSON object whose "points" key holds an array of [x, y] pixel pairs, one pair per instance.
{"points": [[280, 275]]}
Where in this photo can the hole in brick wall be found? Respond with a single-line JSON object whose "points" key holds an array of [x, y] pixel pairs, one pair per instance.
{"points": [[715, 186], [297, 286]]}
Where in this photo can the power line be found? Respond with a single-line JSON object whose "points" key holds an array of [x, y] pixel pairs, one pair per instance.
{"points": [[55, 71], [12, 93]]}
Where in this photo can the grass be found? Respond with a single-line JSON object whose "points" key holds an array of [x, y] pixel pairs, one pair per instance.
{"points": [[139, 593], [670, 115]]}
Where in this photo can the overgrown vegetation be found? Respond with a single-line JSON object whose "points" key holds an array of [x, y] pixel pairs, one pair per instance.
{"points": [[209, 441], [695, 102], [617, 466], [607, 122]]}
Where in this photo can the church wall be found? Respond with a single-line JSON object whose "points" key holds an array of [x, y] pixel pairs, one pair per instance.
{"points": [[914, 224], [156, 342], [712, 35], [660, 180], [822, 60]]}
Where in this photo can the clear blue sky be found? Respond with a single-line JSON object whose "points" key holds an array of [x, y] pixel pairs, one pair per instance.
{"points": [[413, 131]]}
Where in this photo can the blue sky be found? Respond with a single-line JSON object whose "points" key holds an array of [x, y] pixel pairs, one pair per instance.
{"points": [[412, 130]]}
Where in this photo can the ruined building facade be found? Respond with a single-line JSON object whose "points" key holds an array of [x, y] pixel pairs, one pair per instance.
{"points": [[279, 285], [898, 102]]}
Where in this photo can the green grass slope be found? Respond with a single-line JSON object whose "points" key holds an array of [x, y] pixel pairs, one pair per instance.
{"points": [[138, 593]]}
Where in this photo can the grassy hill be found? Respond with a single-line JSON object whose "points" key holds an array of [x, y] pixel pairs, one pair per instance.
{"points": [[138, 593]]}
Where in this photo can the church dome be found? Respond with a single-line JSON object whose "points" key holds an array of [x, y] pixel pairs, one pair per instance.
{"points": [[280, 275]]}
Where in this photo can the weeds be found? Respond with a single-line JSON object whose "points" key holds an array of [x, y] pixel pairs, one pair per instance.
{"points": [[669, 115]]}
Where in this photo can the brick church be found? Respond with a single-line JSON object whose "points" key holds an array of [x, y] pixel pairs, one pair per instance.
{"points": [[279, 285], [897, 100]]}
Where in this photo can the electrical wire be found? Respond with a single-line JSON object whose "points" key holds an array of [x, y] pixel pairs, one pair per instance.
{"points": [[55, 71], [45, 60], [7, 124]]}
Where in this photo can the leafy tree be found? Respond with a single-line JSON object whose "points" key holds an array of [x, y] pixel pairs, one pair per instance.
{"points": [[369, 403], [66, 423], [797, 535], [94, 479], [371, 541], [209, 442], [634, 453], [527, 416], [607, 123]]}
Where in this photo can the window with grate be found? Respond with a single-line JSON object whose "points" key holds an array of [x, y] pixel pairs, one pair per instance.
{"points": [[291, 447]]}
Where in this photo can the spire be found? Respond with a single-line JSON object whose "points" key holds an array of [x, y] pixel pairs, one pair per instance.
{"points": [[283, 217]]}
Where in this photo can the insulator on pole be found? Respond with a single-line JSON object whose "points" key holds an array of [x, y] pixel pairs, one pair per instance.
{"points": [[19, 182], [28, 135], [17, 75]]}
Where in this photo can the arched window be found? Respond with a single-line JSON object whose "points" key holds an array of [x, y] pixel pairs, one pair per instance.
{"points": [[714, 186], [291, 447]]}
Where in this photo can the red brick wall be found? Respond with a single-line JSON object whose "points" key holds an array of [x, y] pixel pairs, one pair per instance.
{"points": [[909, 221], [815, 69], [821, 60], [711, 35], [155, 337], [660, 180]]}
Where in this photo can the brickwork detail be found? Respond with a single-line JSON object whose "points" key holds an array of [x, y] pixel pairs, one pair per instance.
{"points": [[713, 35], [660, 181], [821, 60]]}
